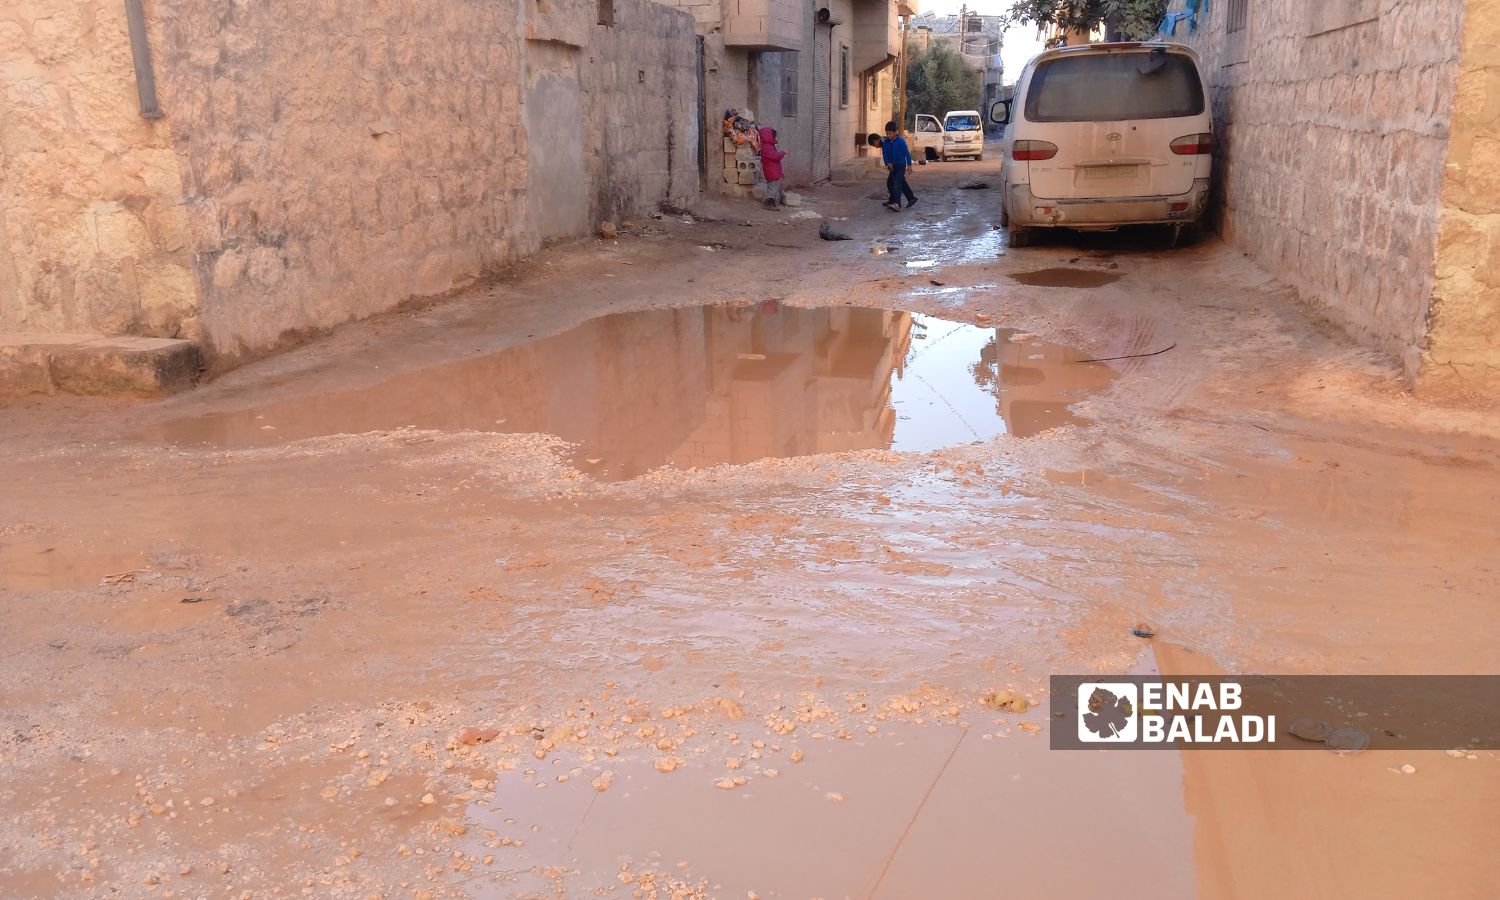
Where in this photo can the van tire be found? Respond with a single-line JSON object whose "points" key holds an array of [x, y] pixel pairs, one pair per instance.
{"points": [[931, 154], [1189, 234], [1019, 236]]}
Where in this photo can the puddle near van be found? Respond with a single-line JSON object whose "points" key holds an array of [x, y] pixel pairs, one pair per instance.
{"points": [[1059, 277], [708, 385]]}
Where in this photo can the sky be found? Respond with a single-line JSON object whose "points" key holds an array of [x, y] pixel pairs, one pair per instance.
{"points": [[1021, 43]]}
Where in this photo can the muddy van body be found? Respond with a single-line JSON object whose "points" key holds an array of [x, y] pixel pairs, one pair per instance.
{"points": [[1104, 135]]}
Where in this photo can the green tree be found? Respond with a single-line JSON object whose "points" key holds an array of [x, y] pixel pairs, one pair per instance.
{"points": [[938, 80], [1134, 20]]}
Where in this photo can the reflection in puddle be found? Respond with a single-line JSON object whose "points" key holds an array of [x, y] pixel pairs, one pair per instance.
{"points": [[1074, 278], [703, 386]]}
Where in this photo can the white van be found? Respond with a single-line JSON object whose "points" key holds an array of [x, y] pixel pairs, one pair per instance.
{"points": [[1104, 135], [927, 140], [963, 135]]}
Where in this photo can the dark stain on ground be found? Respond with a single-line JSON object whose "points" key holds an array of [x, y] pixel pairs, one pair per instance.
{"points": [[1058, 277]]}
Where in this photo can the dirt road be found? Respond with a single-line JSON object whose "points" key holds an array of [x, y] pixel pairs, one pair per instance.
{"points": [[680, 565]]}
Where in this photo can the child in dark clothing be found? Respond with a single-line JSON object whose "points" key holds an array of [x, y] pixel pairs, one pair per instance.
{"points": [[897, 158]]}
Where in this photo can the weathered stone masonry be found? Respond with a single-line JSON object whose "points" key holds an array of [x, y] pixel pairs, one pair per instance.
{"points": [[1336, 126], [319, 161], [1463, 349]]}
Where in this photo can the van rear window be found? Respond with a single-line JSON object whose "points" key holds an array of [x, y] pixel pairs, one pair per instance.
{"points": [[1107, 88]]}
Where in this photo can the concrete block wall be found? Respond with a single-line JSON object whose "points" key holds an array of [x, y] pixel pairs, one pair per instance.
{"points": [[641, 94], [318, 161], [1462, 356], [764, 24], [1333, 122]]}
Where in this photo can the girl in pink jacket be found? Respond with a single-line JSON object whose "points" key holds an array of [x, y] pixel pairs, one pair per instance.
{"points": [[770, 162]]}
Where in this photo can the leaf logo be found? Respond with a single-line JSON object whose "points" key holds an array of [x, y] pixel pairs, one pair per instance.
{"points": [[1108, 712]]}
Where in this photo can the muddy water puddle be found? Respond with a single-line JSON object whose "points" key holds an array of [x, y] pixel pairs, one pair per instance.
{"points": [[710, 385], [911, 811], [40, 562], [1065, 277]]}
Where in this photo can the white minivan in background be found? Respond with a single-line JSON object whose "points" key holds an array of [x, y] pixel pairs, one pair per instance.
{"points": [[1104, 135], [963, 135]]}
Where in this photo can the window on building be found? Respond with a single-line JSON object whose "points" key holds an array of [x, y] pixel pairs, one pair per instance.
{"points": [[1237, 16], [843, 76], [874, 90], [788, 84], [606, 12]]}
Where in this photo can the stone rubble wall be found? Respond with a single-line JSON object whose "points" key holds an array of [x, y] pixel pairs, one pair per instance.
{"points": [[317, 162], [1332, 121], [93, 235], [1463, 349]]}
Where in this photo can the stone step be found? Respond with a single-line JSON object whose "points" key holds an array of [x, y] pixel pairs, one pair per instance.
{"points": [[34, 363]]}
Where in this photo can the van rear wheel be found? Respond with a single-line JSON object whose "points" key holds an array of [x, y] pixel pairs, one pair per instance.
{"points": [[1189, 234], [1019, 236]]}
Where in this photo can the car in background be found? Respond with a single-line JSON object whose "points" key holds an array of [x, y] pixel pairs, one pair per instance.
{"points": [[963, 135], [927, 139], [1104, 135]]}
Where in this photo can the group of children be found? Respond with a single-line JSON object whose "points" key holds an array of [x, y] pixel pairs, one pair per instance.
{"points": [[893, 151]]}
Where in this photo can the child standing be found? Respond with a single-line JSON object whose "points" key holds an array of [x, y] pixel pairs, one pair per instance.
{"points": [[770, 162], [897, 160]]}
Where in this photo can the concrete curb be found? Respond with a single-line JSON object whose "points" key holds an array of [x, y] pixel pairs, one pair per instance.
{"points": [[95, 365]]}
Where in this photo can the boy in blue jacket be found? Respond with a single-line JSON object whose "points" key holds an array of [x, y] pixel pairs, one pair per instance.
{"points": [[897, 160]]}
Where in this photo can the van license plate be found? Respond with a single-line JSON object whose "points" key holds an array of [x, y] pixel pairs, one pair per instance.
{"points": [[1109, 172]]}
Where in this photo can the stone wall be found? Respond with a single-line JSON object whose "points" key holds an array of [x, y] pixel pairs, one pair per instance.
{"points": [[1332, 122], [93, 236], [640, 93], [320, 161], [1463, 349]]}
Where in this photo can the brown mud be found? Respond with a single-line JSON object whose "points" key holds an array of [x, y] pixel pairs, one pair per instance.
{"points": [[410, 641]]}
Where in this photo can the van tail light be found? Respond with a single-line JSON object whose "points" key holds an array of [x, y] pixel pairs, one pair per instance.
{"points": [[1025, 151], [1193, 145]]}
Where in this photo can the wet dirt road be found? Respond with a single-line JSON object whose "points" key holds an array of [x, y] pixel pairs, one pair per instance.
{"points": [[680, 566]]}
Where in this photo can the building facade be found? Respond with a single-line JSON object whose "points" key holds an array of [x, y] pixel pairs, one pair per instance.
{"points": [[1358, 146], [979, 39], [821, 72]]}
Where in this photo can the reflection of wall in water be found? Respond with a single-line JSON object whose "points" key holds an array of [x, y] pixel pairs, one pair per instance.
{"points": [[1033, 395], [793, 381], [693, 387]]}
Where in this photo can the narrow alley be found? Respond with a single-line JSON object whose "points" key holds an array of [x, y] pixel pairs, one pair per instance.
{"points": [[689, 564]]}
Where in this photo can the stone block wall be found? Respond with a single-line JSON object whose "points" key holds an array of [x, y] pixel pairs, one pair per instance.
{"points": [[1463, 347], [1332, 124], [341, 158], [318, 161], [93, 235]]}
